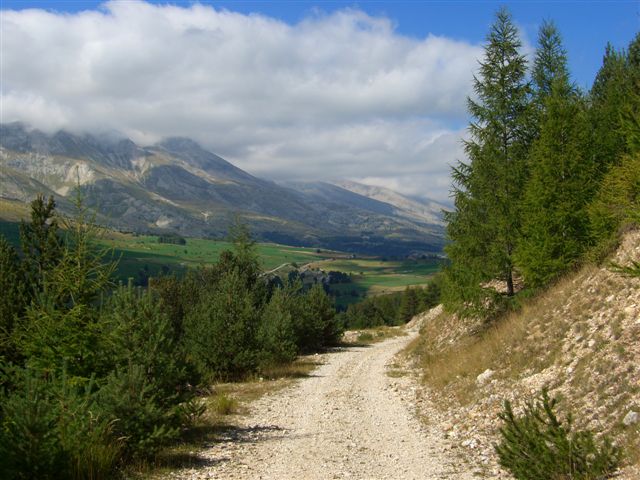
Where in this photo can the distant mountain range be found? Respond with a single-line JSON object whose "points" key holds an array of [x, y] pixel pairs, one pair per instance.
{"points": [[178, 186]]}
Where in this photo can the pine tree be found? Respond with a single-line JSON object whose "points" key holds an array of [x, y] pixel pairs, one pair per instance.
{"points": [[14, 298], [549, 64], [556, 222], [609, 95], [485, 226], [40, 241], [408, 305], [555, 219]]}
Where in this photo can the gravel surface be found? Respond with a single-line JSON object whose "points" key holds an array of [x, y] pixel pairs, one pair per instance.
{"points": [[348, 419]]}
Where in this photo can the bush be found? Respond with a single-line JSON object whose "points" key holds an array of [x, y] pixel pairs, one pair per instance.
{"points": [[220, 331], [50, 430], [538, 446], [139, 417], [276, 335]]}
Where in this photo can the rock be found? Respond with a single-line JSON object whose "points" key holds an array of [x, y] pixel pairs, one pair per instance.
{"points": [[484, 377], [630, 418]]}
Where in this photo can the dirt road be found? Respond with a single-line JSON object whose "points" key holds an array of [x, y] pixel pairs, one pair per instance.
{"points": [[348, 420]]}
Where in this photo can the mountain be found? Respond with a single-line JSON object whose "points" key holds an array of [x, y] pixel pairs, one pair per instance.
{"points": [[176, 185], [426, 211]]}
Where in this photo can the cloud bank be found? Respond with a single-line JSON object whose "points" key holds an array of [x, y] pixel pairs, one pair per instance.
{"points": [[339, 95]]}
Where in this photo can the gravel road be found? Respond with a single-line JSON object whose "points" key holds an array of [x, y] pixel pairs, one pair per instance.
{"points": [[348, 420]]}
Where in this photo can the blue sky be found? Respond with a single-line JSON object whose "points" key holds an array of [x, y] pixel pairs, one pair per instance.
{"points": [[373, 92]]}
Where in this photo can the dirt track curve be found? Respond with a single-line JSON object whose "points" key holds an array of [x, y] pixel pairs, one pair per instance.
{"points": [[348, 420]]}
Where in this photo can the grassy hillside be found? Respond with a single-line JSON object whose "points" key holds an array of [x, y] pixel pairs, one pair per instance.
{"points": [[142, 256], [579, 338]]}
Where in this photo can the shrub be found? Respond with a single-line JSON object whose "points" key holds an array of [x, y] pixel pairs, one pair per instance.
{"points": [[50, 429], [276, 335], [139, 418], [538, 446], [220, 331]]}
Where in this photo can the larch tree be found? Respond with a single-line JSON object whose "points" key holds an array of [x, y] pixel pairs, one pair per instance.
{"points": [[484, 228]]}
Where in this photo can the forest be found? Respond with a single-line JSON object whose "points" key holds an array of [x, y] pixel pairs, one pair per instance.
{"points": [[552, 174], [95, 375]]}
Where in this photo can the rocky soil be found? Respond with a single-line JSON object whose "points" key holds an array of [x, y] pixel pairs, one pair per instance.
{"points": [[354, 417]]}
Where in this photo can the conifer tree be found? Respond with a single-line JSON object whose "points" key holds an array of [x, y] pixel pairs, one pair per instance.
{"points": [[609, 95], [39, 239], [555, 219], [550, 63], [485, 226]]}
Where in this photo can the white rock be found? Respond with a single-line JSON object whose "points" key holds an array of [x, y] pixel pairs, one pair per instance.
{"points": [[484, 376], [630, 418]]}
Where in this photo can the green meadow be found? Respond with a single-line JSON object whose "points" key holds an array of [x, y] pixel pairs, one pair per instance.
{"points": [[142, 256]]}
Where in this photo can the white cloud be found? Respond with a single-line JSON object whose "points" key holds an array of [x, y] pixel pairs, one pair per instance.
{"points": [[341, 95]]}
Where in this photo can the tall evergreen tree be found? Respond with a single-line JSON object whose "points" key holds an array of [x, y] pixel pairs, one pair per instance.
{"points": [[485, 226], [555, 219], [609, 95], [39, 239], [549, 64]]}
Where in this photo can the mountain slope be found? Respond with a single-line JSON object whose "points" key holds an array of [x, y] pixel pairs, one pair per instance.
{"points": [[425, 211], [177, 185]]}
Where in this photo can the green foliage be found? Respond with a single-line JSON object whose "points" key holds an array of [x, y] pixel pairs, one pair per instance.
{"points": [[39, 239], [136, 330], [14, 298], [220, 330], [50, 430], [549, 64], [617, 202], [276, 333], [136, 408], [538, 445], [556, 222], [485, 225], [409, 305]]}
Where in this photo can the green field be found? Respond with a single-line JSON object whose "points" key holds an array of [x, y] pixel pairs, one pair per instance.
{"points": [[143, 252], [371, 276], [142, 256]]}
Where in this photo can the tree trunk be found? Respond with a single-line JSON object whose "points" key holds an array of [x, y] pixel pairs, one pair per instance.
{"points": [[510, 290]]}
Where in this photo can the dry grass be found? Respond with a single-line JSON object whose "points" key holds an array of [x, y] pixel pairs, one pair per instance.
{"points": [[371, 335], [579, 338]]}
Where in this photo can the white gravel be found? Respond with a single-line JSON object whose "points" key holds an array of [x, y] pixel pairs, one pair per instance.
{"points": [[348, 420]]}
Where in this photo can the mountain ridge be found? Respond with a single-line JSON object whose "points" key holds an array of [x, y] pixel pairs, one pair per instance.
{"points": [[177, 185]]}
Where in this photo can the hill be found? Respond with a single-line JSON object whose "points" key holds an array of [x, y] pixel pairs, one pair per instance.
{"points": [[579, 338], [177, 186]]}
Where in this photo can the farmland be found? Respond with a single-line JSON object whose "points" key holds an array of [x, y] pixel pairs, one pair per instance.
{"points": [[142, 256]]}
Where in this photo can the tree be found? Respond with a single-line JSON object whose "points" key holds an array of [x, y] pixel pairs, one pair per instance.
{"points": [[549, 64], [408, 305], [15, 295], [609, 95], [40, 240], [555, 220], [484, 228]]}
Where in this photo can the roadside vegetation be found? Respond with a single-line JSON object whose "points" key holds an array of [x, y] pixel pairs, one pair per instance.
{"points": [[551, 186], [95, 376]]}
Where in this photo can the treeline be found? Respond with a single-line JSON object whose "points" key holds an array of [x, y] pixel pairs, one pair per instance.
{"points": [[391, 309], [553, 172], [172, 238], [95, 375]]}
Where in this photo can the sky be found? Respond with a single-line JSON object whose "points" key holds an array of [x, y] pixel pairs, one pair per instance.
{"points": [[370, 91]]}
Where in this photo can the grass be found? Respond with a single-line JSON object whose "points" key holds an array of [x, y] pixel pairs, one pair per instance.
{"points": [[142, 256]]}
